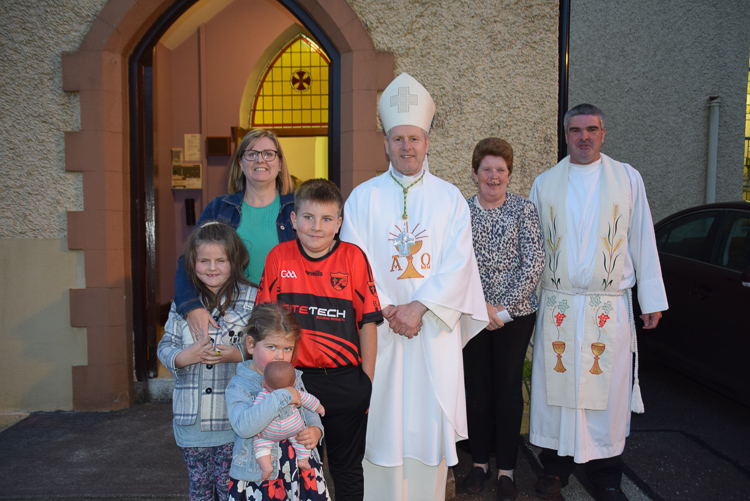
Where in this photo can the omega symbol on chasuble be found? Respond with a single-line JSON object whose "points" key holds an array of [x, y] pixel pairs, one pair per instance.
{"points": [[408, 244], [339, 280]]}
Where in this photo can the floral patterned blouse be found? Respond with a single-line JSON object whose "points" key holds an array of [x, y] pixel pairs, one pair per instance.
{"points": [[510, 253]]}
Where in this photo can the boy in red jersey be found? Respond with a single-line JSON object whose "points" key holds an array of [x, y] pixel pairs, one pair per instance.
{"points": [[329, 285]]}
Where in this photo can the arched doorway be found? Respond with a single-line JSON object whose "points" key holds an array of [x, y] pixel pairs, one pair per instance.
{"points": [[114, 150], [187, 69]]}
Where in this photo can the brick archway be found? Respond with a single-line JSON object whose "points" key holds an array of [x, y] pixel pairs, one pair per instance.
{"points": [[100, 150]]}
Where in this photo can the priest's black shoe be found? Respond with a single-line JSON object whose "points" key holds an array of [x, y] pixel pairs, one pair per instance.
{"points": [[474, 481], [506, 489], [548, 487], [609, 494]]}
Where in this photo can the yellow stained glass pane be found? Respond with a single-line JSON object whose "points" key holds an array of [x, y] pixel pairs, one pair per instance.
{"points": [[295, 87]]}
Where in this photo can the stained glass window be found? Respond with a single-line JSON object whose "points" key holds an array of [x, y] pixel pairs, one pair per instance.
{"points": [[293, 92]]}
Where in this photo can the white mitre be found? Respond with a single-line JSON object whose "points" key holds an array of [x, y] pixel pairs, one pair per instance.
{"points": [[406, 102]]}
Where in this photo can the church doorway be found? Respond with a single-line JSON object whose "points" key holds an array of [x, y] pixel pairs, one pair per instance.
{"points": [[204, 74], [128, 130]]}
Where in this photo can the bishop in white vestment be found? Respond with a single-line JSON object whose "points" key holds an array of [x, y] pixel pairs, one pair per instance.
{"points": [[599, 241], [416, 231]]}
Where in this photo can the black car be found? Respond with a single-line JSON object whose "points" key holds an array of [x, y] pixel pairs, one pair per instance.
{"points": [[705, 261]]}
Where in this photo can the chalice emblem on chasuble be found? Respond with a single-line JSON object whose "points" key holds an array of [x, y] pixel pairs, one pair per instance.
{"points": [[557, 319], [600, 320], [407, 244]]}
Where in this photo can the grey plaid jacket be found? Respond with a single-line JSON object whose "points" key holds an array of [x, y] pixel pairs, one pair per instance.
{"points": [[189, 386]]}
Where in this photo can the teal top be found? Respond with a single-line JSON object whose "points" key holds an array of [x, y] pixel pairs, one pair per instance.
{"points": [[258, 230]]}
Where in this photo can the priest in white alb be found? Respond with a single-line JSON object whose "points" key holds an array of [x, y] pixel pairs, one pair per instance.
{"points": [[599, 241], [416, 231]]}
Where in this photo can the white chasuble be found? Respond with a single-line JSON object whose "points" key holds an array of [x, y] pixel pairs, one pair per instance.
{"points": [[559, 330], [579, 430], [418, 407]]}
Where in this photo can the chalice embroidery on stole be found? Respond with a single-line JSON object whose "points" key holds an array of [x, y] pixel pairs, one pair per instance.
{"points": [[558, 319], [600, 320]]}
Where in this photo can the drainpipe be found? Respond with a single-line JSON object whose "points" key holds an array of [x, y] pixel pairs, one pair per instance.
{"points": [[714, 103], [562, 97]]}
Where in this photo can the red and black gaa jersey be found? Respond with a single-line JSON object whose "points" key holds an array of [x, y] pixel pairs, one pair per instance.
{"points": [[332, 297]]}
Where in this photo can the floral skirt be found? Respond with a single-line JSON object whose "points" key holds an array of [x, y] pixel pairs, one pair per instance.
{"points": [[292, 483]]}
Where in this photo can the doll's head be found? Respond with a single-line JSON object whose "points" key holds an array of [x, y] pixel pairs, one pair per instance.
{"points": [[277, 375]]}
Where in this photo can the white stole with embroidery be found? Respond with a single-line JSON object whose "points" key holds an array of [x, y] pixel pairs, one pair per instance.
{"points": [[600, 319]]}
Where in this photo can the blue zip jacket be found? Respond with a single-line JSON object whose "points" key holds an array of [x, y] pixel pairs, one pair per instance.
{"points": [[248, 420], [227, 209]]}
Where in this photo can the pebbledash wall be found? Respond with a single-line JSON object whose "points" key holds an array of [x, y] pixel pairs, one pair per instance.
{"points": [[652, 68], [65, 303], [37, 269]]}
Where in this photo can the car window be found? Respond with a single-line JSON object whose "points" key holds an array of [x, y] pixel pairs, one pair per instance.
{"points": [[686, 236], [733, 251]]}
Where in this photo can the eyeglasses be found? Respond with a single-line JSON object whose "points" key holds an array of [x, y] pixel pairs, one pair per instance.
{"points": [[254, 155]]}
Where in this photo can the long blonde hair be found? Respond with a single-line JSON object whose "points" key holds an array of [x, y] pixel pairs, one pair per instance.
{"points": [[237, 180]]}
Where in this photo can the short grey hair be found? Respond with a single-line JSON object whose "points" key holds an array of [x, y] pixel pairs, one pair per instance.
{"points": [[426, 134], [583, 109]]}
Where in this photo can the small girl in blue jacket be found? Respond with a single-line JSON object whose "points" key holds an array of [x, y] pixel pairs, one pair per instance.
{"points": [[215, 259], [272, 336]]}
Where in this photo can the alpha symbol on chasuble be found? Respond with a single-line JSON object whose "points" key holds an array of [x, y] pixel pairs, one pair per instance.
{"points": [[408, 244]]}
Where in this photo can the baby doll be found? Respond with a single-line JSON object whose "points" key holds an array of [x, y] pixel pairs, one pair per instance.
{"points": [[287, 424]]}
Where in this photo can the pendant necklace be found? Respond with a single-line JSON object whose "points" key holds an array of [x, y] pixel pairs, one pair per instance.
{"points": [[406, 189]]}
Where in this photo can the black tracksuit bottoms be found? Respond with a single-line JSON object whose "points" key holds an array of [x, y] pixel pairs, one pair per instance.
{"points": [[345, 394]]}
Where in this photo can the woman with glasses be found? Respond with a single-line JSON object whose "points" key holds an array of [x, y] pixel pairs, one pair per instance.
{"points": [[258, 206]]}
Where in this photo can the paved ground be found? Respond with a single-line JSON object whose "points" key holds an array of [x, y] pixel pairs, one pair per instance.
{"points": [[131, 454], [692, 444]]}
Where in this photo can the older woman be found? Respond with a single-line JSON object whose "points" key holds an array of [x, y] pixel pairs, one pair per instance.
{"points": [[258, 206], [510, 255]]}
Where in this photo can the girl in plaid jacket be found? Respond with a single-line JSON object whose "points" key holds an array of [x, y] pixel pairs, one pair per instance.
{"points": [[215, 259]]}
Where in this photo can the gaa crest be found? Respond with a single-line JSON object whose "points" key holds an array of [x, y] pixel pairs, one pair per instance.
{"points": [[339, 281]]}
